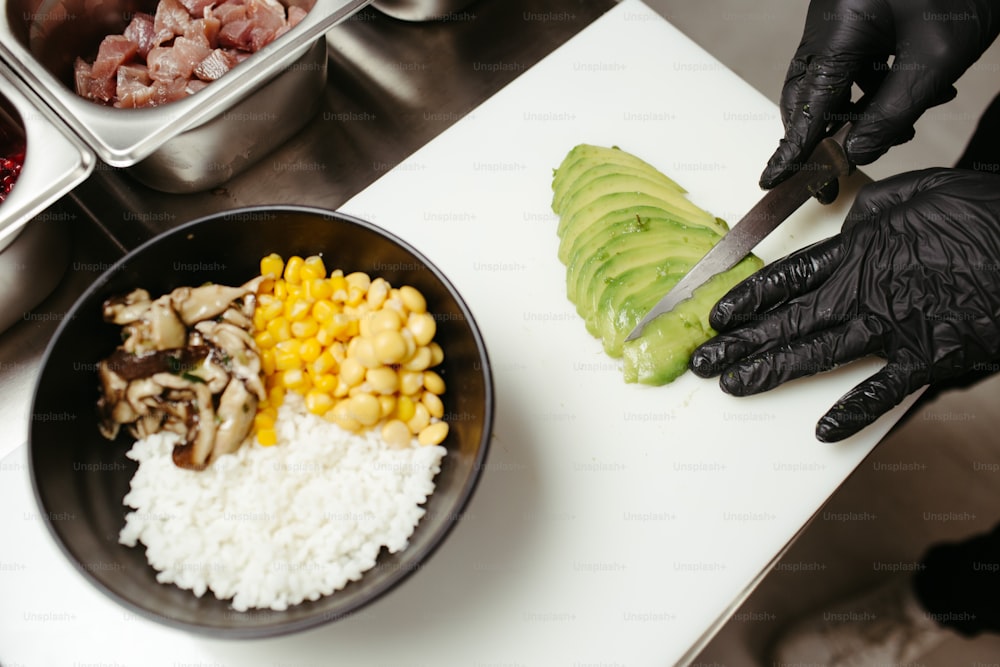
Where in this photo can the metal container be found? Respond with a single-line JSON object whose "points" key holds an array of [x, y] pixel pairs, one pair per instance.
{"points": [[421, 10], [34, 255], [40, 39]]}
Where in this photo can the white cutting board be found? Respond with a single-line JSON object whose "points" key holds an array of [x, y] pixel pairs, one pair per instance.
{"points": [[615, 524]]}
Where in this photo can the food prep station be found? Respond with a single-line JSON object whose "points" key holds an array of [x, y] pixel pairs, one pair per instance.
{"points": [[613, 524]]}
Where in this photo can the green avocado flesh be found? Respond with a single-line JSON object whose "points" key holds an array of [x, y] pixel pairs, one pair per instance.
{"points": [[627, 234]]}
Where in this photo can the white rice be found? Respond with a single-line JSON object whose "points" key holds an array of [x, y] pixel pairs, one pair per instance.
{"points": [[270, 527]]}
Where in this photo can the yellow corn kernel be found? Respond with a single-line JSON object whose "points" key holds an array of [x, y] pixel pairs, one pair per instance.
{"points": [[313, 268], [339, 351], [396, 434], [317, 288], [295, 379], [276, 396], [410, 382], [293, 270], [377, 292], [355, 295], [413, 299], [280, 291], [297, 310], [285, 360], [342, 390], [359, 279], [267, 363], [272, 264], [306, 328], [324, 309], [387, 404], [405, 408], [437, 354], [326, 382], [269, 306], [433, 382], [421, 360], [389, 347], [323, 363], [339, 326], [364, 352], [433, 434], [382, 380], [279, 329], [337, 283], [420, 419], [259, 321], [385, 319], [342, 417], [267, 437], [310, 350], [423, 327], [352, 372], [264, 339], [319, 402], [365, 409], [263, 420], [434, 404], [265, 287]]}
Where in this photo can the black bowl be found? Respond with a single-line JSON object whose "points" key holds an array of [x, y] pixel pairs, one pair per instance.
{"points": [[79, 478]]}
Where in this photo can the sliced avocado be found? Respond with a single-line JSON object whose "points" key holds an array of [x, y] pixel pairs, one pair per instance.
{"points": [[650, 244], [613, 266], [600, 226], [627, 183], [662, 352], [572, 226], [577, 160], [592, 239], [587, 169], [621, 309]]}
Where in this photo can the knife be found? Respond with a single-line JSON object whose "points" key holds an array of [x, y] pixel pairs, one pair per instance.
{"points": [[827, 163]]}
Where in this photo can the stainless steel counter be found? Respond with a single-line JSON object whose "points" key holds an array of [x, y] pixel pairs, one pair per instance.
{"points": [[392, 86]]}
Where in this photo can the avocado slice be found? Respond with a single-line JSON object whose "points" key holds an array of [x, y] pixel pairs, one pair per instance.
{"points": [[621, 309], [587, 169], [675, 202], [593, 239], [646, 244], [662, 352], [572, 226], [603, 273], [582, 156], [588, 227]]}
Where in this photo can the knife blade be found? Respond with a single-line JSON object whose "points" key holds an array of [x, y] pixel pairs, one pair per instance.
{"points": [[826, 163]]}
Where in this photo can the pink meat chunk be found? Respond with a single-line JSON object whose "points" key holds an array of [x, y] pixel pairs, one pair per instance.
{"points": [[295, 15], [205, 31], [113, 51], [171, 15], [215, 65], [140, 30], [229, 11], [196, 8], [236, 34], [169, 63]]}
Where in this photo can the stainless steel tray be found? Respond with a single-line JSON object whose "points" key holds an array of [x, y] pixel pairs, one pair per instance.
{"points": [[123, 137]]}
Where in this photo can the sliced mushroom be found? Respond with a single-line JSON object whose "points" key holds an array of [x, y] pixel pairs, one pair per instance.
{"points": [[127, 309], [237, 408], [165, 329], [201, 429], [242, 359]]}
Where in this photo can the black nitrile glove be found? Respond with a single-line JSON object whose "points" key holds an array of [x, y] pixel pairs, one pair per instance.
{"points": [[850, 41], [913, 276]]}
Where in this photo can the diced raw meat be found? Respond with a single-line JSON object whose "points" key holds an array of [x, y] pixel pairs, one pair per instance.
{"points": [[171, 15], [229, 11], [215, 65], [205, 30], [168, 63], [196, 8], [261, 37], [140, 30], [194, 85], [236, 34], [134, 86], [113, 51], [82, 77], [266, 14], [103, 89]]}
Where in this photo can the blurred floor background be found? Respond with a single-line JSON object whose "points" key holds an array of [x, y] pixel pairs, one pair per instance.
{"points": [[937, 476]]}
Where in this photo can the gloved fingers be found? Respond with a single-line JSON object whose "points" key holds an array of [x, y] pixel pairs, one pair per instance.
{"points": [[887, 116], [874, 200], [807, 356], [868, 401], [817, 92], [777, 283]]}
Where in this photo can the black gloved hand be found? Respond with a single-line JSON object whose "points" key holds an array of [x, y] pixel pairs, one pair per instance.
{"points": [[850, 41], [914, 276]]}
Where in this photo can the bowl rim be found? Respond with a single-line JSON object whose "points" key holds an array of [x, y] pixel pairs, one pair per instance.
{"points": [[278, 627]]}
